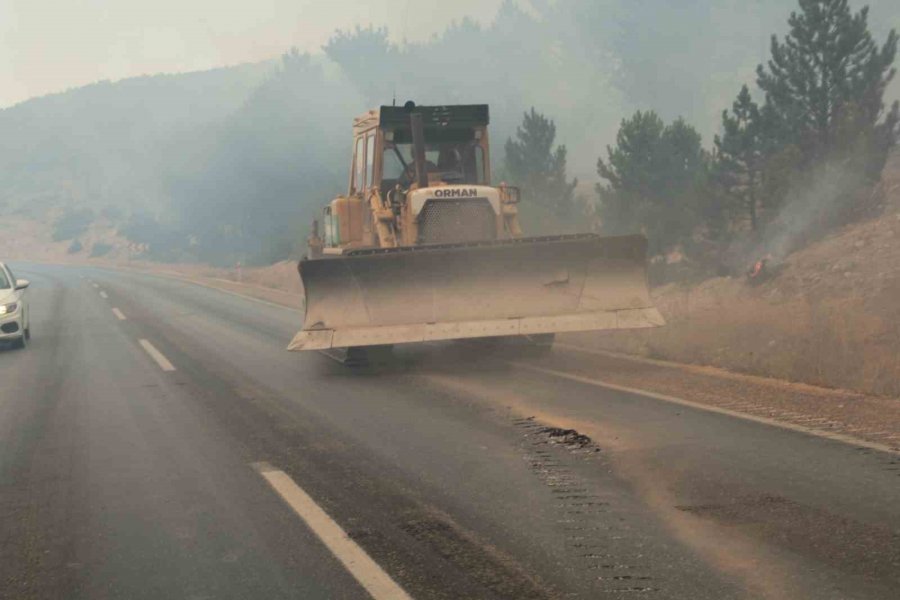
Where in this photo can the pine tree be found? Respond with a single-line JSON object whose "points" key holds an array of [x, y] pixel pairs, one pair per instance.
{"points": [[825, 84], [656, 178], [536, 167], [740, 155], [369, 59]]}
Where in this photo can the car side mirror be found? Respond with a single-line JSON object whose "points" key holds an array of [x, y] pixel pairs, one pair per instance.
{"points": [[21, 284]]}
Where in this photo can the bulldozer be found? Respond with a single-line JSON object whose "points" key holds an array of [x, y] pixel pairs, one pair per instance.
{"points": [[423, 247]]}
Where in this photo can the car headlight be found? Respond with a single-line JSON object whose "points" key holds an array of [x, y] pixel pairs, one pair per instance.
{"points": [[5, 309]]}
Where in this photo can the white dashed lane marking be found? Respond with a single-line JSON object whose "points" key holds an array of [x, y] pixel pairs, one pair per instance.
{"points": [[103, 294], [365, 570], [118, 314], [156, 355]]}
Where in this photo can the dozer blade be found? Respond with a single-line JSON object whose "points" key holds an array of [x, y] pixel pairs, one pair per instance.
{"points": [[455, 291]]}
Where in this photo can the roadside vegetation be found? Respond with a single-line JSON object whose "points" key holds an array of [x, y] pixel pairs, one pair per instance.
{"points": [[72, 223], [100, 249], [829, 316], [784, 170], [805, 179]]}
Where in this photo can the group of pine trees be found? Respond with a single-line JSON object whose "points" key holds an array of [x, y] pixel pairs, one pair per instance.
{"points": [[822, 109]]}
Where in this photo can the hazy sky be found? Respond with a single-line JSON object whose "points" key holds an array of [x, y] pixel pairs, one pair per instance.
{"points": [[51, 45]]}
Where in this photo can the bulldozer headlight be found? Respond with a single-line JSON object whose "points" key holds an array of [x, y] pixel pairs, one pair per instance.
{"points": [[6, 309]]}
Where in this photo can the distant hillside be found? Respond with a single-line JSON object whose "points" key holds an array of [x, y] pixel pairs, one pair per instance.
{"points": [[101, 145]]}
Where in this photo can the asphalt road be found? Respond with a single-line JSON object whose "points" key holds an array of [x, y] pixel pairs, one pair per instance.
{"points": [[133, 427]]}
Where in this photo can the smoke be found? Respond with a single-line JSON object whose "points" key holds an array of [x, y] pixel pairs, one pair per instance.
{"points": [[195, 142], [814, 203]]}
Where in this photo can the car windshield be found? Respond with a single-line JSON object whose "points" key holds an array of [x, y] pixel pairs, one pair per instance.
{"points": [[4, 280]]}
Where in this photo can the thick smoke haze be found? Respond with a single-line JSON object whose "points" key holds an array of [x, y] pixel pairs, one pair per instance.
{"points": [[684, 59], [183, 140], [48, 46]]}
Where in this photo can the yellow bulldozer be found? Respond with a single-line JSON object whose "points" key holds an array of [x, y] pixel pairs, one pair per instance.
{"points": [[423, 247]]}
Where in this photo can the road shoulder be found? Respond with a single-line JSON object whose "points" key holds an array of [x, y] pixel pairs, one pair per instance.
{"points": [[836, 413]]}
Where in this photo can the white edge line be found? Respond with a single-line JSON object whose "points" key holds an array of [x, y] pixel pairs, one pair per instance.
{"points": [[156, 355], [119, 315], [837, 437], [103, 294], [708, 370], [366, 571]]}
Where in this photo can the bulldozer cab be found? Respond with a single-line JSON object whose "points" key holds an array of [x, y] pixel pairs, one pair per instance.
{"points": [[452, 156], [418, 175], [454, 148]]}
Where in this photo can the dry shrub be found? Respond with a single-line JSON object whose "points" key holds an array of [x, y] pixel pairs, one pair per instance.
{"points": [[829, 342]]}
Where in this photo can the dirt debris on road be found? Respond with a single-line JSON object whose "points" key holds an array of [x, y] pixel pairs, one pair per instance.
{"points": [[569, 438]]}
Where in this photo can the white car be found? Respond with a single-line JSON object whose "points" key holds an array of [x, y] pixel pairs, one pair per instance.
{"points": [[15, 325]]}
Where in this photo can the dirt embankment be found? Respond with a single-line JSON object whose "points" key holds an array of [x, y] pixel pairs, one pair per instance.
{"points": [[830, 317]]}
